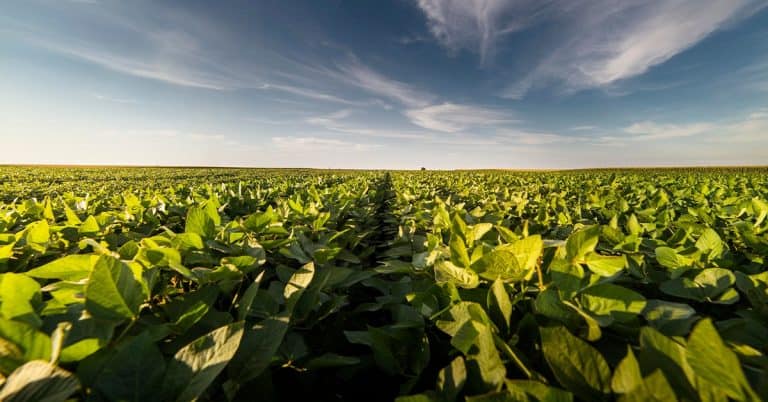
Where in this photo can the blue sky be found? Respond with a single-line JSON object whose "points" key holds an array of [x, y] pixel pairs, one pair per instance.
{"points": [[385, 84]]}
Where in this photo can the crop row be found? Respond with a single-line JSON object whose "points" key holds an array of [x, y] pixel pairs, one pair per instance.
{"points": [[415, 286]]}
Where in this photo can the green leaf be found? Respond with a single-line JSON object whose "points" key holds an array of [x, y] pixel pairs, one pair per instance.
{"points": [[605, 265], [659, 351], [668, 317], [37, 233], [499, 304], [90, 226], [499, 396], [80, 350], [715, 363], [113, 292], [245, 303], [331, 360], [48, 209], [188, 241], [30, 344], [707, 285], [459, 254], [566, 276], [39, 381], [669, 258], [259, 221], [296, 285], [445, 271], [760, 208], [710, 242], [459, 227], [500, 264], [541, 392], [452, 320], [479, 230], [72, 218], [416, 398], [485, 368], [261, 343], [582, 242], [20, 297], [627, 375], [607, 300], [134, 373], [451, 379], [633, 226], [578, 366], [211, 209], [548, 304], [653, 388], [195, 366], [259, 346], [200, 222], [69, 268]]}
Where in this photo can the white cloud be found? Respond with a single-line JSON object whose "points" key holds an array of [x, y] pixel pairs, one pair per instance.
{"points": [[172, 72], [465, 23], [331, 119], [369, 80], [753, 128], [583, 128], [336, 122], [307, 93], [660, 32], [647, 130], [596, 43], [534, 138], [113, 99], [316, 143], [451, 117], [173, 47]]}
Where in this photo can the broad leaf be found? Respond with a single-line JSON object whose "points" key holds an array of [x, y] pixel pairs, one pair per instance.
{"points": [[69, 268], [195, 366], [39, 381], [113, 292], [446, 271], [578, 366]]}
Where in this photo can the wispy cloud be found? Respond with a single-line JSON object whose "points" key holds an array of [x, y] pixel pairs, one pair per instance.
{"points": [[363, 77], [316, 143], [477, 24], [173, 48], [308, 93], [168, 71], [755, 76], [113, 99], [169, 134], [451, 117], [647, 130], [534, 138], [337, 122], [752, 128], [583, 128], [598, 42]]}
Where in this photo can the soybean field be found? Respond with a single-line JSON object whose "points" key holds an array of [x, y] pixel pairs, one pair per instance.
{"points": [[181, 284]]}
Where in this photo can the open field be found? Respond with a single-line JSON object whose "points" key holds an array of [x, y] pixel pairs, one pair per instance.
{"points": [[149, 284]]}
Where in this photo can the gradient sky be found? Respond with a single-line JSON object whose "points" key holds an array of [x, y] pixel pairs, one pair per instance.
{"points": [[385, 84]]}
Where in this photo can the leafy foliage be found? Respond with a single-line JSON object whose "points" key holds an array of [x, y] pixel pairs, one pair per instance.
{"points": [[232, 284]]}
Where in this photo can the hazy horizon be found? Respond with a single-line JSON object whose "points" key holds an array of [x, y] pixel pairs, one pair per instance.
{"points": [[452, 84]]}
